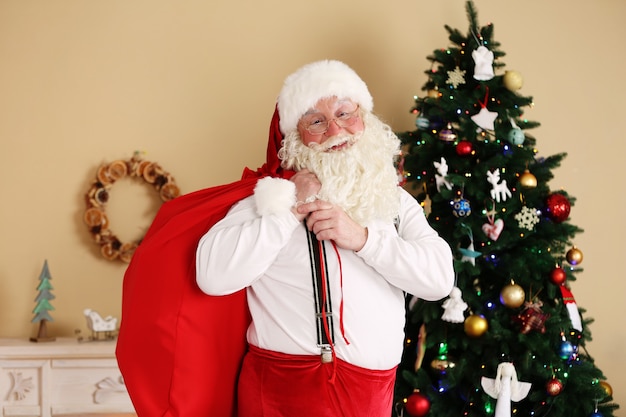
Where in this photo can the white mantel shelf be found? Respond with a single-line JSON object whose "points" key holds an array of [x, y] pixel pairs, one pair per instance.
{"points": [[62, 377]]}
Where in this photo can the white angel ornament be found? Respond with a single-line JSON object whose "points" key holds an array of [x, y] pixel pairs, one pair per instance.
{"points": [[483, 58], [454, 307], [505, 388]]}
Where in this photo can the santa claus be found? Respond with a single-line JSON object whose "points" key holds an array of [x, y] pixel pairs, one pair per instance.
{"points": [[320, 244]]}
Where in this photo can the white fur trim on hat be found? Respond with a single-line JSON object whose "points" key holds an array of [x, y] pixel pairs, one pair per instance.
{"points": [[305, 87], [274, 195]]}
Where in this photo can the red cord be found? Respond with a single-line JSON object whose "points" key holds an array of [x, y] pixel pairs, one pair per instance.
{"points": [[325, 322], [343, 333]]}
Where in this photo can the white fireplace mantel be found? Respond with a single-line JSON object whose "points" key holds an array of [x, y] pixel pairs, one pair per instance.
{"points": [[62, 377]]}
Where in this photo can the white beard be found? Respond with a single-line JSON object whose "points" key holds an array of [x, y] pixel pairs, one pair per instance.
{"points": [[361, 179]]}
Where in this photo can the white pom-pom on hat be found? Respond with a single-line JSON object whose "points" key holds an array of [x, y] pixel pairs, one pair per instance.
{"points": [[305, 87]]}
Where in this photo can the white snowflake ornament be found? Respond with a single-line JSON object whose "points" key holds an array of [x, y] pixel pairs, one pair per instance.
{"points": [[456, 77], [527, 218]]}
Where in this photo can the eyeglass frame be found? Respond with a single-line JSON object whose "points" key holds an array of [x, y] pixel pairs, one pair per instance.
{"points": [[356, 114]]}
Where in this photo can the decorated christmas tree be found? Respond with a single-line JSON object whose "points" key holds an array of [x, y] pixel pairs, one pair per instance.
{"points": [[43, 306], [510, 339]]}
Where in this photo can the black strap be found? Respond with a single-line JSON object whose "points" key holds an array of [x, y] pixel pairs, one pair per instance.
{"points": [[317, 254]]}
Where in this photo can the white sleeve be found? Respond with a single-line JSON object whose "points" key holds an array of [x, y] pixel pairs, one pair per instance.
{"points": [[238, 249], [414, 258]]}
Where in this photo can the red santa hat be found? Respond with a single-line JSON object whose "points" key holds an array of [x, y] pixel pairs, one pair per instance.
{"points": [[302, 90]]}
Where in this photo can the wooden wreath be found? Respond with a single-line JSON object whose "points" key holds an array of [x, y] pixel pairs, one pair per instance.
{"points": [[98, 195]]}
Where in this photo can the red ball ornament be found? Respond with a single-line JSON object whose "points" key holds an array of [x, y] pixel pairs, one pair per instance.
{"points": [[417, 405], [558, 276], [554, 387], [558, 207], [464, 148]]}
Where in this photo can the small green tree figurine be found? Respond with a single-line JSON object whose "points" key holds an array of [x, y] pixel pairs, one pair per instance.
{"points": [[43, 305]]}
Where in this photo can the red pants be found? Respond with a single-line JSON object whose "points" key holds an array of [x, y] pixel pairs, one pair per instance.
{"points": [[273, 384]]}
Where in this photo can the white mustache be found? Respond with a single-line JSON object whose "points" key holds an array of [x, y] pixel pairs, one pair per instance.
{"points": [[334, 142]]}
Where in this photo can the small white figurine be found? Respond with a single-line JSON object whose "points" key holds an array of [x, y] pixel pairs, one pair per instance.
{"points": [[483, 58], [442, 170], [505, 388], [454, 307], [499, 189], [469, 254], [98, 325]]}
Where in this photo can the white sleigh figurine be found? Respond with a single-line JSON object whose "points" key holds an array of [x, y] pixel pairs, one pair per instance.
{"points": [[101, 328]]}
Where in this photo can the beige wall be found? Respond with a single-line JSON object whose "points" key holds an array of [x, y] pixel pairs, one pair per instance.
{"points": [[193, 84]]}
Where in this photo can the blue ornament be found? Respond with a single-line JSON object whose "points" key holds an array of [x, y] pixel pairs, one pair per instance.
{"points": [[516, 136], [461, 207], [596, 414], [436, 123], [566, 350], [422, 122]]}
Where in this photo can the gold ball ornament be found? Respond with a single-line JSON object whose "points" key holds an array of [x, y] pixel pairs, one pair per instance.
{"points": [[512, 295], [608, 390], [528, 180], [433, 93], [512, 80], [475, 325], [574, 256]]}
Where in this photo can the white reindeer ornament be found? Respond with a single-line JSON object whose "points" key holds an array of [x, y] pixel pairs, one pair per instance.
{"points": [[499, 190], [442, 173]]}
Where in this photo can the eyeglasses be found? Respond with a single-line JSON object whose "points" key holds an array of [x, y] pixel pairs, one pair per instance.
{"points": [[317, 125]]}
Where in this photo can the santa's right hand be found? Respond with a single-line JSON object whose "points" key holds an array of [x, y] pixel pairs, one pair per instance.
{"points": [[307, 186]]}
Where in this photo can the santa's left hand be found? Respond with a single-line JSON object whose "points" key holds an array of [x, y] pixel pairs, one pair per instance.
{"points": [[330, 222]]}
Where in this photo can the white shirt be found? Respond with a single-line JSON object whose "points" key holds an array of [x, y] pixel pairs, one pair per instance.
{"points": [[269, 256]]}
